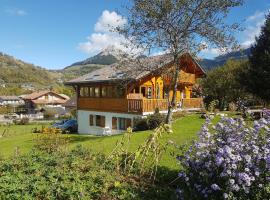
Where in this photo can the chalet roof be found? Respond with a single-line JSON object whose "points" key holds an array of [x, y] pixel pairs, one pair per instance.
{"points": [[64, 96], [38, 94], [10, 98], [130, 70], [35, 95]]}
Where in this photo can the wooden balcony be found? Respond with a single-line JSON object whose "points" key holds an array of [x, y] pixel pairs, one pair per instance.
{"points": [[150, 105], [137, 106], [147, 105]]}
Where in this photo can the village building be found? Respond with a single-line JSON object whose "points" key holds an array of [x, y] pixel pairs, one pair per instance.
{"points": [[11, 101], [39, 100], [71, 104], [110, 98]]}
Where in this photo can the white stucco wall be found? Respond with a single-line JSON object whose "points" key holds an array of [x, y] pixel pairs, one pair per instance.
{"points": [[51, 97], [85, 128]]}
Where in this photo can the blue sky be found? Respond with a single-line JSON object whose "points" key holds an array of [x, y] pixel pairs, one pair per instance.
{"points": [[56, 33]]}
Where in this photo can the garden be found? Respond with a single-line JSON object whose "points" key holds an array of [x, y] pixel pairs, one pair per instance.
{"points": [[219, 158]]}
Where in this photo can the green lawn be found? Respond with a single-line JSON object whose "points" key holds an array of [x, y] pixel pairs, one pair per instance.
{"points": [[184, 129]]}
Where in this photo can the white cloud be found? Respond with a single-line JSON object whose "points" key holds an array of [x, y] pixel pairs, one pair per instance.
{"points": [[210, 52], [253, 27], [109, 20], [256, 15], [16, 12], [99, 41], [103, 35]]}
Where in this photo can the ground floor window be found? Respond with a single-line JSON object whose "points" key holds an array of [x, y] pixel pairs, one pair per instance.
{"points": [[121, 123], [99, 120]]}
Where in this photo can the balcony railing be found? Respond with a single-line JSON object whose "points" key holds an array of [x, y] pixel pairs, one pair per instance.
{"points": [[150, 105], [133, 105], [147, 105]]}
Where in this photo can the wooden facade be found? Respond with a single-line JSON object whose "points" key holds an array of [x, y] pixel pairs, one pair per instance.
{"points": [[145, 96], [107, 106]]}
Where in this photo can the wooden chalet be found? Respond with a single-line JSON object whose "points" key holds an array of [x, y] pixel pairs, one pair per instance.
{"points": [[45, 98], [109, 98]]}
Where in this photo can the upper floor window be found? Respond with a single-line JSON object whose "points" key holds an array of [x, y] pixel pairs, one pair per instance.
{"points": [[104, 91], [96, 91], [101, 91], [149, 92]]}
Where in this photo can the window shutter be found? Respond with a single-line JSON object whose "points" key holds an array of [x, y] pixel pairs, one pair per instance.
{"points": [[114, 123], [91, 120], [102, 121]]}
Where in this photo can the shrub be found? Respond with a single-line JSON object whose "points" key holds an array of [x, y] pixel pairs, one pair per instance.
{"points": [[149, 123], [141, 124], [213, 105], [23, 121], [51, 140], [75, 174], [232, 107], [229, 161], [49, 114], [155, 120]]}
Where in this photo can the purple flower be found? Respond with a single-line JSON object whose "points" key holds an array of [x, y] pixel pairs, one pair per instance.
{"points": [[215, 187], [234, 156]]}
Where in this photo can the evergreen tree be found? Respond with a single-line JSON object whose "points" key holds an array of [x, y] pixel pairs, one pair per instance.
{"points": [[257, 78]]}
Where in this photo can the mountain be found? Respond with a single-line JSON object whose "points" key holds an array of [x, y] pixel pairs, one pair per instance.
{"points": [[107, 56], [209, 64], [15, 73]]}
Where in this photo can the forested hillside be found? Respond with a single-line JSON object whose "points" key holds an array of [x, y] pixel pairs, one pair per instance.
{"points": [[17, 77]]}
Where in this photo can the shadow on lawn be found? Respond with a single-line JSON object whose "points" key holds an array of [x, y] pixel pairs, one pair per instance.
{"points": [[77, 138], [165, 185]]}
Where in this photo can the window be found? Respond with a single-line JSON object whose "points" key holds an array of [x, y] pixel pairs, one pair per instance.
{"points": [[91, 120], [149, 92], [137, 90], [104, 91], [96, 91], [158, 91], [124, 123], [100, 120], [46, 97], [86, 92], [91, 92], [118, 92], [143, 91]]}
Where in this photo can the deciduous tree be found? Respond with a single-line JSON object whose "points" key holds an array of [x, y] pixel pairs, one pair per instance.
{"points": [[177, 27]]}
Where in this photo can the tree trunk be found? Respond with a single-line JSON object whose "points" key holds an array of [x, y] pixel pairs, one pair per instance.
{"points": [[173, 101]]}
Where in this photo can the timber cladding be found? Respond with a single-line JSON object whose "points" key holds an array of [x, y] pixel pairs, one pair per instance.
{"points": [[103, 104]]}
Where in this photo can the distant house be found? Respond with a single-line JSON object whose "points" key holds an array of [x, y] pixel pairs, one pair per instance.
{"points": [[104, 107], [71, 104], [27, 86], [41, 99], [10, 100]]}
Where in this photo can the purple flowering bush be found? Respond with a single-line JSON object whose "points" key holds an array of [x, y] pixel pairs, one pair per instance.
{"points": [[230, 160]]}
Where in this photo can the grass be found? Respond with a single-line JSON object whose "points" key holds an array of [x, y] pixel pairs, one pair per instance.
{"points": [[20, 136]]}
